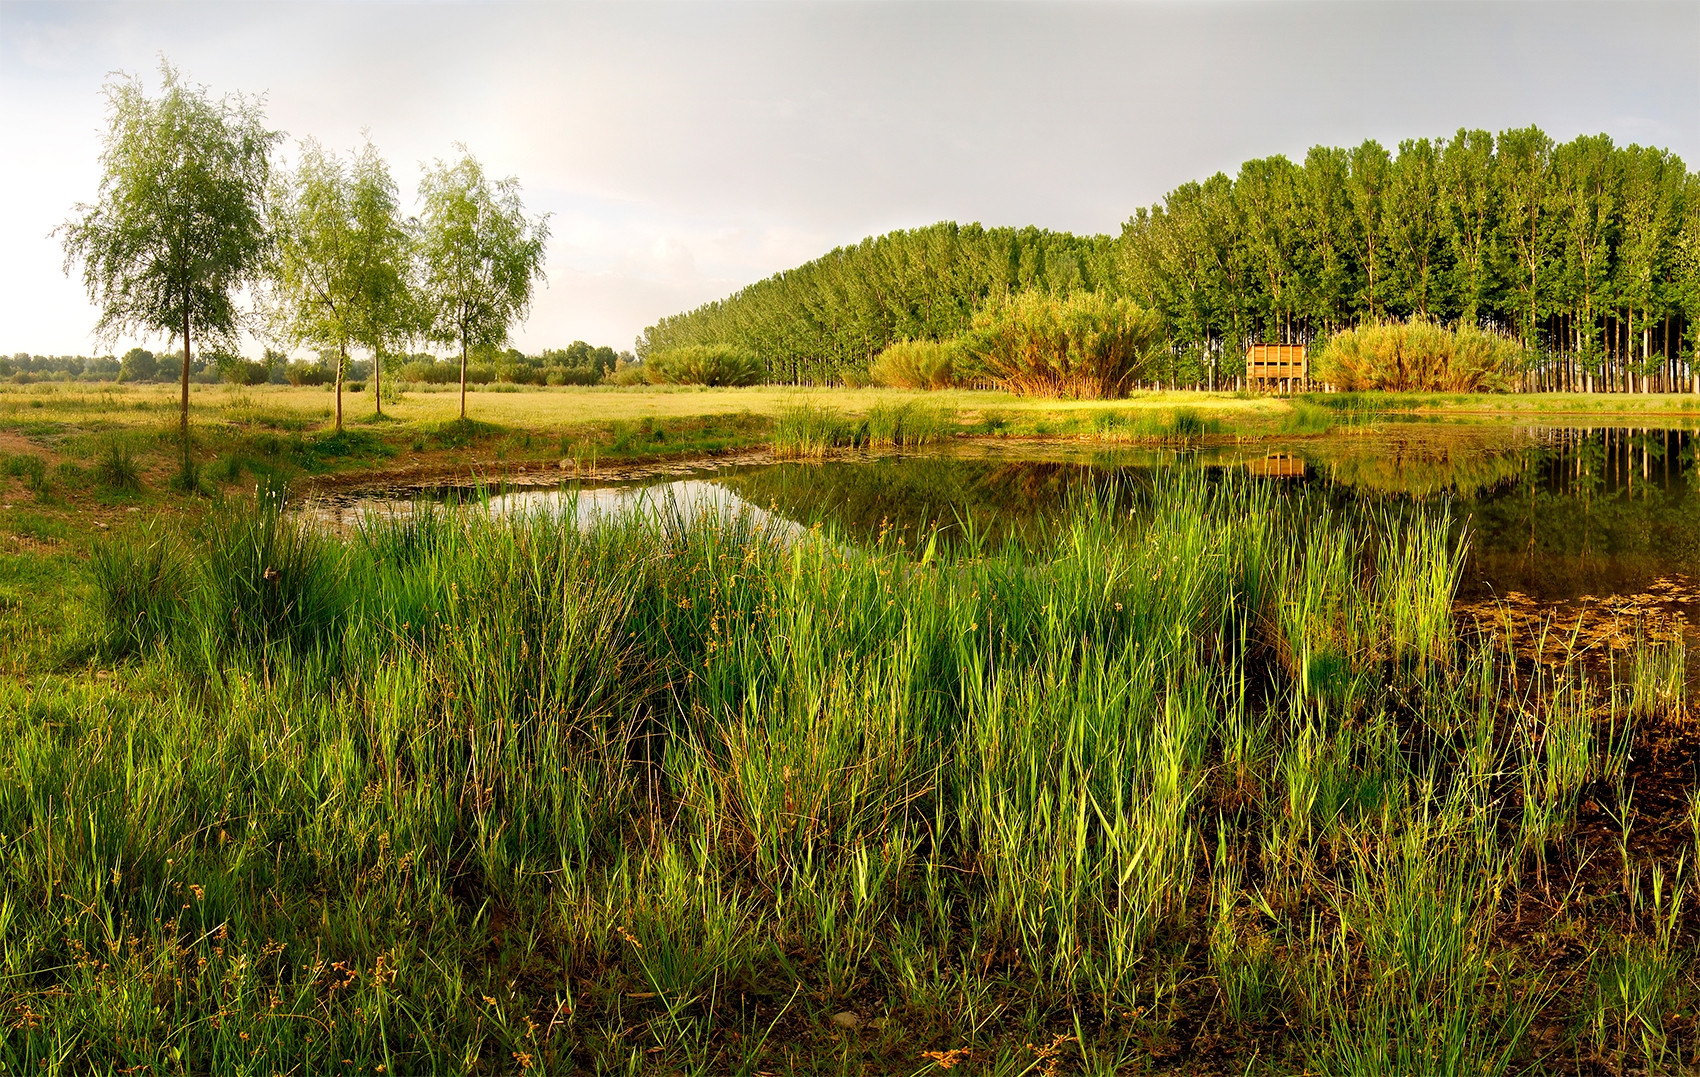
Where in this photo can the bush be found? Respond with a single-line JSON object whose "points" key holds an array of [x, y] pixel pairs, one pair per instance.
{"points": [[430, 372], [573, 375], [625, 373], [1418, 356], [916, 364], [703, 364], [1087, 345], [239, 371], [521, 374], [307, 374]]}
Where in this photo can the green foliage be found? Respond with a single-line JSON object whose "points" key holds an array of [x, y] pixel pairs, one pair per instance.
{"points": [[703, 364], [343, 258], [1086, 756], [807, 430], [138, 364], [235, 370], [481, 256], [307, 372], [1588, 250], [1178, 424], [833, 315], [916, 364], [1419, 356], [179, 228], [272, 582], [1086, 345]]}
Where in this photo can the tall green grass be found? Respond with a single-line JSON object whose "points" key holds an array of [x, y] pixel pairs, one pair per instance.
{"points": [[655, 794], [809, 431]]}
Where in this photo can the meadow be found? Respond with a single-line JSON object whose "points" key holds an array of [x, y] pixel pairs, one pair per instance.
{"points": [[1212, 781], [269, 434]]}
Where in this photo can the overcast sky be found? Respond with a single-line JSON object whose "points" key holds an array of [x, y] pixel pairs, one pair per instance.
{"points": [[686, 150]]}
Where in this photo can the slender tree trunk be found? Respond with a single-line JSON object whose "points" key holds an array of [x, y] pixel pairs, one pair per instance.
{"points": [[378, 379], [463, 376], [183, 421], [341, 361]]}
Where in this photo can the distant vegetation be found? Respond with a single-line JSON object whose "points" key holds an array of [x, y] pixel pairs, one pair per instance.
{"points": [[577, 364], [1418, 356], [703, 364], [1587, 252]]}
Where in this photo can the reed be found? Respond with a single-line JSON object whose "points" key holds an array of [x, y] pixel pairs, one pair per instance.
{"points": [[669, 792]]}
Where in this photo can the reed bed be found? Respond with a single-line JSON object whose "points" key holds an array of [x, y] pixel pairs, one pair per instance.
{"points": [[806, 431], [1210, 784]]}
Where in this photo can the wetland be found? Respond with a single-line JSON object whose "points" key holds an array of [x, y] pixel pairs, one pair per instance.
{"points": [[1359, 753]]}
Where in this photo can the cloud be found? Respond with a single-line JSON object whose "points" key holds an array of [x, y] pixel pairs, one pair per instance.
{"points": [[686, 150]]}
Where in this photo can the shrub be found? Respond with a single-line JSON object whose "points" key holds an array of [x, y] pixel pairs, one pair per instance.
{"points": [[628, 374], [572, 375], [430, 372], [916, 364], [1087, 345], [307, 374], [235, 370], [1419, 356], [703, 364]]}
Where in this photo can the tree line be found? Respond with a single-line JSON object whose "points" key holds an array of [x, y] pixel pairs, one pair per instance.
{"points": [[577, 364], [193, 215], [1587, 251]]}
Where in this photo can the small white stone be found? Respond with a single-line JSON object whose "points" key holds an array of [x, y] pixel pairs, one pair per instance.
{"points": [[846, 1020]]}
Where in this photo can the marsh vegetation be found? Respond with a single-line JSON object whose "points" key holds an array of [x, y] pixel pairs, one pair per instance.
{"points": [[1203, 776]]}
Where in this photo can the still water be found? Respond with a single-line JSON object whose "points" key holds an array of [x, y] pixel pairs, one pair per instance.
{"points": [[1552, 514]]}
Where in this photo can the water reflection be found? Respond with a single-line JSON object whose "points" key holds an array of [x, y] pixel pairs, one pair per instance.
{"points": [[684, 501], [1555, 514]]}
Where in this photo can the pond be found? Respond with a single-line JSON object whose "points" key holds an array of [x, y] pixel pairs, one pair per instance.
{"points": [[1555, 516]]}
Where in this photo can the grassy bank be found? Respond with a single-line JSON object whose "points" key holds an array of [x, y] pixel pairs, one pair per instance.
{"points": [[1214, 785], [245, 434]]}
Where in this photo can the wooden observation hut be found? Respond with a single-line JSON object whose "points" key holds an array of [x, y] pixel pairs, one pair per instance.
{"points": [[1278, 367]]}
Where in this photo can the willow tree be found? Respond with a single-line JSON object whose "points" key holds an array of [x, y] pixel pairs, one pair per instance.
{"points": [[480, 256], [341, 257], [315, 258], [179, 227], [386, 311]]}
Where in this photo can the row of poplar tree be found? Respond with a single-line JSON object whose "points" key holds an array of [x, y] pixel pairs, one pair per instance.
{"points": [[1587, 251]]}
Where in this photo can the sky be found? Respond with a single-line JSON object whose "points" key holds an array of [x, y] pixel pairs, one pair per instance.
{"points": [[685, 150]]}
